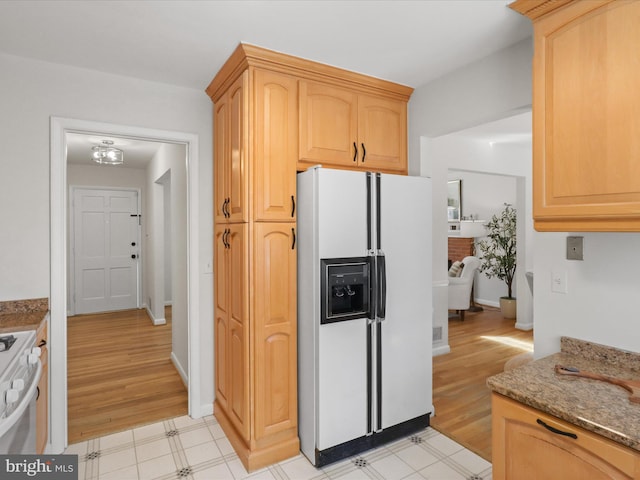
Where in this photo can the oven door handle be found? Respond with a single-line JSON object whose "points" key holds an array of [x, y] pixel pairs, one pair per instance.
{"points": [[7, 423]]}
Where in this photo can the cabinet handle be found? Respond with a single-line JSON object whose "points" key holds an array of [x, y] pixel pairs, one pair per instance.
{"points": [[556, 431], [224, 210], [224, 238], [42, 343], [293, 206], [293, 243], [38, 395], [364, 152], [355, 153]]}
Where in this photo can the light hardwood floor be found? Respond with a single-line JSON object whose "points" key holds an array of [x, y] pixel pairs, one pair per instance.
{"points": [[120, 374], [480, 346]]}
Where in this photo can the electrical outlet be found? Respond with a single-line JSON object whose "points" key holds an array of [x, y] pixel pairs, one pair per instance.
{"points": [[559, 281]]}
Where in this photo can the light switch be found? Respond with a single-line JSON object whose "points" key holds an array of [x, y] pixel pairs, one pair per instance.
{"points": [[559, 281]]}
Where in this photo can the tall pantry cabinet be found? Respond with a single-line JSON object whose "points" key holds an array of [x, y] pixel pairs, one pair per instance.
{"points": [[275, 114], [255, 153]]}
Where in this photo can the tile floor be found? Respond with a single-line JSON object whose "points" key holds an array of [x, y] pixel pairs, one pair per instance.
{"points": [[184, 448]]}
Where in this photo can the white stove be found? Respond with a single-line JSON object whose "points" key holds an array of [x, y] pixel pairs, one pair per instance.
{"points": [[20, 370]]}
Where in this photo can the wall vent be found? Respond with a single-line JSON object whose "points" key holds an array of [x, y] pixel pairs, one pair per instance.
{"points": [[437, 333]]}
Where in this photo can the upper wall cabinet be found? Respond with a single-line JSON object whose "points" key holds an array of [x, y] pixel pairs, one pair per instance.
{"points": [[230, 164], [341, 128], [586, 114], [275, 133]]}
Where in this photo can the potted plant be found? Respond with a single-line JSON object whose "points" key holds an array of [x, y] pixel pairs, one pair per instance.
{"points": [[497, 254]]}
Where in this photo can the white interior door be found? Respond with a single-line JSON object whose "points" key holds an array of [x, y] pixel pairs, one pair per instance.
{"points": [[106, 250]]}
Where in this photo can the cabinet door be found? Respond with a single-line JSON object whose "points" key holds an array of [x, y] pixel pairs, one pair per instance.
{"points": [[328, 125], [586, 118], [237, 174], [230, 326], [275, 329], [524, 449], [238, 370], [230, 153], [221, 316], [382, 134], [275, 150], [221, 157]]}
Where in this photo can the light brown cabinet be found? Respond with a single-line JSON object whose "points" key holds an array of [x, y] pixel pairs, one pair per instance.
{"points": [[529, 444], [260, 115], [586, 114], [42, 402], [340, 127]]}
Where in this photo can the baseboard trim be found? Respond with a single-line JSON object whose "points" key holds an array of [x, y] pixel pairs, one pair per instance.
{"points": [[205, 410], [488, 303], [181, 372], [524, 326], [286, 444], [154, 320], [441, 350]]}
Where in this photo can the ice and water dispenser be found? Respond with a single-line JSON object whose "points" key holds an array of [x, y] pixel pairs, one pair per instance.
{"points": [[345, 289]]}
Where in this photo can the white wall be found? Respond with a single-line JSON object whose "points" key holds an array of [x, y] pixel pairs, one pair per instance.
{"points": [[601, 303], [30, 93], [494, 87], [168, 167]]}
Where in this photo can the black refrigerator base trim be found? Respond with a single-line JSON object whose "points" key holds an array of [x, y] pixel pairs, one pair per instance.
{"points": [[362, 444]]}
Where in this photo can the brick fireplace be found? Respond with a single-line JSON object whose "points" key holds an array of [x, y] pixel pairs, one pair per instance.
{"points": [[460, 248]]}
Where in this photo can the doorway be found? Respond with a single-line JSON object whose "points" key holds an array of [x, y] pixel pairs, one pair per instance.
{"points": [[60, 128]]}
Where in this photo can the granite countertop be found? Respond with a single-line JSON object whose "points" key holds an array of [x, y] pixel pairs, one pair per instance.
{"points": [[596, 406], [20, 315]]}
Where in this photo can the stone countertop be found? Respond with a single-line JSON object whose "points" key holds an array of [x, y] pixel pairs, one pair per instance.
{"points": [[20, 315], [594, 405]]}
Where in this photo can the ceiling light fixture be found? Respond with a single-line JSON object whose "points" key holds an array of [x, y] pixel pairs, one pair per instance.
{"points": [[105, 154]]}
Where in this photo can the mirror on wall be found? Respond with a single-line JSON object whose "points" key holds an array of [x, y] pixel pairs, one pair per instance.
{"points": [[454, 200]]}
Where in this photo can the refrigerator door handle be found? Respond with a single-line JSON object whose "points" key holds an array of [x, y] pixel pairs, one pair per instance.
{"points": [[381, 283]]}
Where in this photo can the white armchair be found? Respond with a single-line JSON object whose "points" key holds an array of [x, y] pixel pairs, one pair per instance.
{"points": [[460, 287]]}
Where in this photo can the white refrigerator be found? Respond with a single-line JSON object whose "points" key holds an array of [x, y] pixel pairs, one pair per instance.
{"points": [[364, 310]]}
